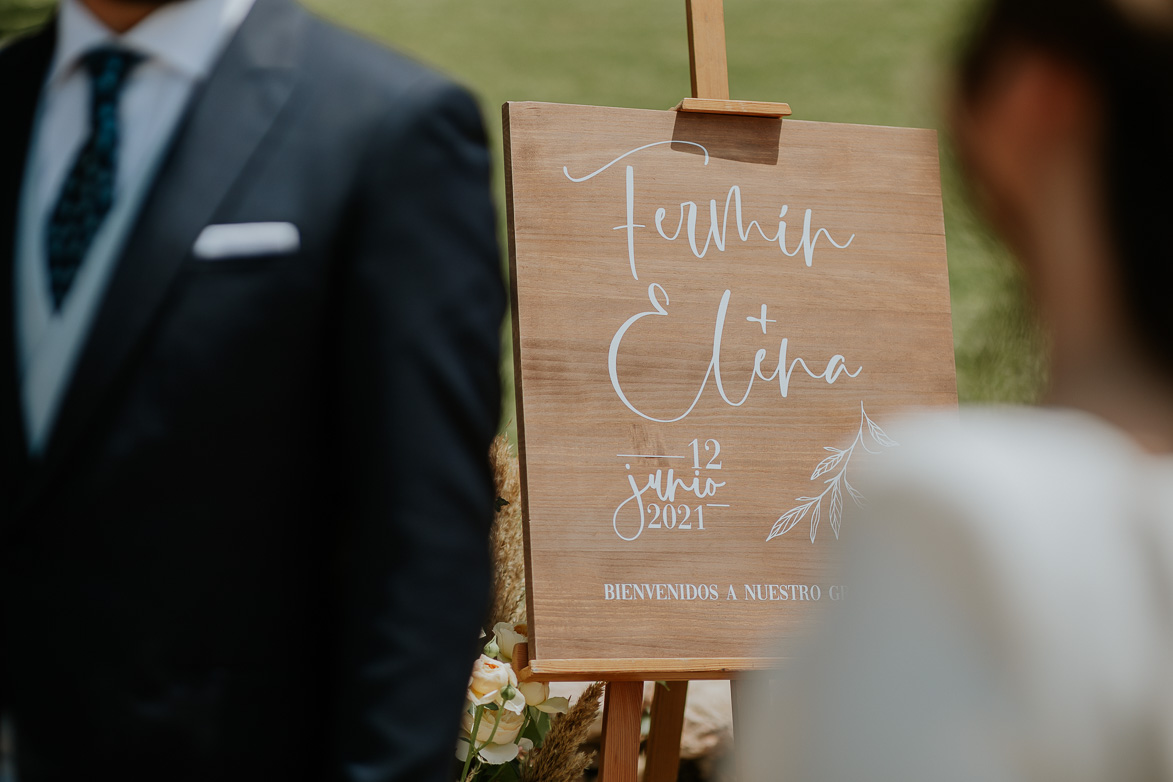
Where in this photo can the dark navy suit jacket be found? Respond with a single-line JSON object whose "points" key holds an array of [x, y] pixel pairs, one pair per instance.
{"points": [[255, 546]]}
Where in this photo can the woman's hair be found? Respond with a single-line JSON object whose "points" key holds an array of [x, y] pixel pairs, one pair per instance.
{"points": [[1125, 47]]}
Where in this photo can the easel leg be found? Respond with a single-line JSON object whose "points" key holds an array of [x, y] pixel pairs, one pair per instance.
{"points": [[663, 763], [622, 709]]}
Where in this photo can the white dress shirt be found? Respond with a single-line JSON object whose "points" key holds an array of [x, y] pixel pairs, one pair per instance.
{"points": [[180, 42]]}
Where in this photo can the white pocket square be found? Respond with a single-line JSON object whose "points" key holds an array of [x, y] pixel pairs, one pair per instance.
{"points": [[235, 240]]}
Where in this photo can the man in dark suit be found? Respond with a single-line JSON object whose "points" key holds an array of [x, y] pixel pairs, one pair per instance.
{"points": [[249, 310]]}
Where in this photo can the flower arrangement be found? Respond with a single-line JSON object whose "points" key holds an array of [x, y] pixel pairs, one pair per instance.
{"points": [[514, 731], [504, 720]]}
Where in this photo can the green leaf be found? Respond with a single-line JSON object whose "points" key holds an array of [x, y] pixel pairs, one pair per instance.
{"points": [[543, 723], [532, 730], [508, 773]]}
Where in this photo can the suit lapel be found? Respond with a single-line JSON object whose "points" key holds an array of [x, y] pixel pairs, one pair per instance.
{"points": [[22, 73], [226, 121]]}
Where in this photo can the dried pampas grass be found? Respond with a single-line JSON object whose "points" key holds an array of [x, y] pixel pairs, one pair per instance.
{"points": [[506, 538], [559, 758]]}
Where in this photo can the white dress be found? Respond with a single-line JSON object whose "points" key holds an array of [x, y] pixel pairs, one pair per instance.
{"points": [[1010, 615]]}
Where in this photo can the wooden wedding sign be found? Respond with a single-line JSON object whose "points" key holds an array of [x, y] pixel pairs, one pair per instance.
{"points": [[716, 316]]}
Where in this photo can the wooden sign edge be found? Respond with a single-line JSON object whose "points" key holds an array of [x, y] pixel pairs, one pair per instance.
{"points": [[642, 670], [521, 104], [518, 385], [619, 669]]}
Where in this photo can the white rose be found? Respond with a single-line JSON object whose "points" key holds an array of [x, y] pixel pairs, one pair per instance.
{"points": [[488, 678], [534, 692], [554, 706], [496, 754], [509, 636], [507, 730]]}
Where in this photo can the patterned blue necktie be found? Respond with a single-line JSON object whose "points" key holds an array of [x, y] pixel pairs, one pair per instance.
{"points": [[88, 190]]}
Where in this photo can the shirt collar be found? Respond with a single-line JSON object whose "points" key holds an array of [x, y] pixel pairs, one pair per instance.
{"points": [[184, 36]]}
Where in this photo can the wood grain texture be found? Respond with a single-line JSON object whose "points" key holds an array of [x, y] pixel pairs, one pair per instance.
{"points": [[706, 49], [648, 334], [520, 657], [663, 750], [642, 669], [752, 107], [622, 712]]}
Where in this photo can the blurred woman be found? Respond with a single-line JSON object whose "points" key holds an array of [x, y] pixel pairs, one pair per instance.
{"points": [[1011, 611]]}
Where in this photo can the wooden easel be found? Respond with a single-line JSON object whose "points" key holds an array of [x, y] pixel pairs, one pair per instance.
{"points": [[623, 705], [710, 70], [880, 182]]}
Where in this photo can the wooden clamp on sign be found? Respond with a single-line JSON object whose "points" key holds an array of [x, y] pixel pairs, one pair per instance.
{"points": [[710, 71]]}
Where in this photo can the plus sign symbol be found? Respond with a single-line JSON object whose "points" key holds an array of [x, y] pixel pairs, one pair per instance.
{"points": [[763, 320]]}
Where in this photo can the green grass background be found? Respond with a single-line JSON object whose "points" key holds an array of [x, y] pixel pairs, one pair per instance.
{"points": [[882, 62]]}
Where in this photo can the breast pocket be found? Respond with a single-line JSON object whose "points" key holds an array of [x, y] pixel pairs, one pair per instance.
{"points": [[228, 242]]}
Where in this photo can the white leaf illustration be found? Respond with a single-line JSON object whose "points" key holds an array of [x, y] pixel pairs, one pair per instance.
{"points": [[828, 464], [879, 435], [836, 515], [836, 464], [855, 495], [788, 520]]}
